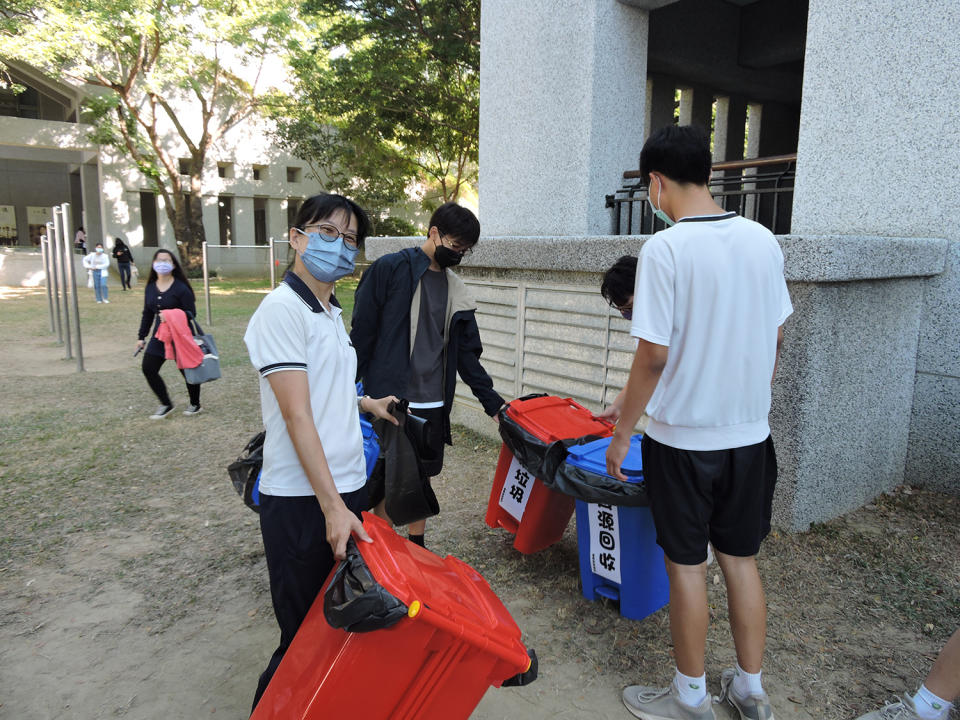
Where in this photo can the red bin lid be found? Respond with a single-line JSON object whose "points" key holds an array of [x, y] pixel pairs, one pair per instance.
{"points": [[551, 418], [445, 592]]}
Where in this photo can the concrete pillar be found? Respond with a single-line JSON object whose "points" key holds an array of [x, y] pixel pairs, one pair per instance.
{"points": [[562, 98], [211, 219], [243, 221], [875, 160], [90, 187], [696, 107], [729, 128], [276, 219], [661, 98]]}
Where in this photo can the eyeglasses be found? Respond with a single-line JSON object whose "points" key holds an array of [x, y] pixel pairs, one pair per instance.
{"points": [[334, 232], [626, 311], [459, 249]]}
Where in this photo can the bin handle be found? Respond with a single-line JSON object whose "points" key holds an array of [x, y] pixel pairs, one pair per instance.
{"points": [[475, 638]]}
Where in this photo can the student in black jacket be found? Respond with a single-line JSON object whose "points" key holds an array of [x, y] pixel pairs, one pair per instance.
{"points": [[414, 328], [124, 259], [167, 288]]}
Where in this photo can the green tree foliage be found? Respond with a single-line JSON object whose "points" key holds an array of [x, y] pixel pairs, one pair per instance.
{"points": [[139, 60], [388, 94]]}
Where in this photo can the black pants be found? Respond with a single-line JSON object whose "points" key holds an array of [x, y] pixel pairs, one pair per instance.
{"points": [[151, 371], [299, 559], [124, 274]]}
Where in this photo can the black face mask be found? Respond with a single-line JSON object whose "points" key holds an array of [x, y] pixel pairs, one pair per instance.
{"points": [[446, 257]]}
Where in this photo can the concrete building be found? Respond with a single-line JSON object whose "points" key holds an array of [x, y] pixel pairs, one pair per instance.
{"points": [[864, 94], [251, 189]]}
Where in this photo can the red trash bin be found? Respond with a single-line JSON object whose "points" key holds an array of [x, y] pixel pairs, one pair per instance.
{"points": [[435, 664], [519, 502]]}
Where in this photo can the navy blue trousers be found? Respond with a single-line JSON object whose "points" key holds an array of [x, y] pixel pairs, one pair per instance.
{"points": [[299, 559]]}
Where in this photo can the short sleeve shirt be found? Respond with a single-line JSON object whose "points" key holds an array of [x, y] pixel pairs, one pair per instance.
{"points": [[712, 290], [292, 331]]}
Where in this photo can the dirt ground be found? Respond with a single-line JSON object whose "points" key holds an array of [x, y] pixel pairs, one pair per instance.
{"points": [[132, 579]]}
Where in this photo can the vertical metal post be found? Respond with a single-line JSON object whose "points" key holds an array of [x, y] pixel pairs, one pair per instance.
{"points": [[65, 218], [45, 254], [66, 259], [273, 271], [55, 267], [206, 283]]}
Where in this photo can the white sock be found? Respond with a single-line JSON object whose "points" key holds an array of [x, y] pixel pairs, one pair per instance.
{"points": [[692, 690], [929, 706], [746, 684]]}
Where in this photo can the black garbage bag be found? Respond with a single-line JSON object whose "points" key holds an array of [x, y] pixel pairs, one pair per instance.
{"points": [[246, 468], [527, 448], [539, 458], [398, 476], [355, 601], [589, 486]]}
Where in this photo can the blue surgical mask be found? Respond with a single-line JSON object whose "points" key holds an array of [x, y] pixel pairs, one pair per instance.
{"points": [[163, 267], [99, 250], [657, 211], [326, 258], [627, 314]]}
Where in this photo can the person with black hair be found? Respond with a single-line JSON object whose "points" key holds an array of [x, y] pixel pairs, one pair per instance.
{"points": [[313, 479], [414, 328], [167, 288], [617, 289], [98, 265], [709, 305], [124, 259]]}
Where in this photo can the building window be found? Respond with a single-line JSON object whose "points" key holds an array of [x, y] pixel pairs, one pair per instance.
{"points": [[293, 174], [225, 203], [259, 172], [184, 166], [260, 221], [225, 169]]}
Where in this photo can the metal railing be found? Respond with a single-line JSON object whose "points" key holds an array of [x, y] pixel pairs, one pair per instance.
{"points": [[760, 189]]}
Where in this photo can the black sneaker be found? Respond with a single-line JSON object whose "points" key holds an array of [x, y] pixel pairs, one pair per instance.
{"points": [[162, 412], [193, 410]]}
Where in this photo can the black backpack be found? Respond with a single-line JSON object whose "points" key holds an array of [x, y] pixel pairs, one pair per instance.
{"points": [[245, 471]]}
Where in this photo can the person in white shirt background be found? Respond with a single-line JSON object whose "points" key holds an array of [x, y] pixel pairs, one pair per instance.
{"points": [[97, 264]]}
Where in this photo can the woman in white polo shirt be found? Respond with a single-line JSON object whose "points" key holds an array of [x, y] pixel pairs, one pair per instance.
{"points": [[312, 486]]}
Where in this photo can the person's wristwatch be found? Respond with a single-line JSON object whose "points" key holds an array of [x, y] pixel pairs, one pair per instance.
{"points": [[360, 399]]}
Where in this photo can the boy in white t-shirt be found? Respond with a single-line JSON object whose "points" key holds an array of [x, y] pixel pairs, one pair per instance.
{"points": [[709, 304]]}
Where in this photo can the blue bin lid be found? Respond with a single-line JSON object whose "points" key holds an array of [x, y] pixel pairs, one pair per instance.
{"points": [[593, 457]]}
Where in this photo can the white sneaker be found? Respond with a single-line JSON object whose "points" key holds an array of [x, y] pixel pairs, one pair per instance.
{"points": [[107, 302], [162, 412], [193, 410], [99, 302]]}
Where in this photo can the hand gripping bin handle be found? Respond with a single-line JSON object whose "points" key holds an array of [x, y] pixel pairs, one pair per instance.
{"points": [[355, 602]]}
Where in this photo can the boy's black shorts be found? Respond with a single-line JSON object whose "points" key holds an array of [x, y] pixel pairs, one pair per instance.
{"points": [[724, 496]]}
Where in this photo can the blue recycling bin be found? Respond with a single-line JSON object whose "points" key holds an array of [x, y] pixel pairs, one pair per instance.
{"points": [[619, 555]]}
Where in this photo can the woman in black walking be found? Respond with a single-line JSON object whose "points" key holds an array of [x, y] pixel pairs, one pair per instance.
{"points": [[124, 259], [167, 288]]}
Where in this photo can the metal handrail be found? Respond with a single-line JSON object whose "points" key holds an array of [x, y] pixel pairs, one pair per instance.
{"points": [[758, 191]]}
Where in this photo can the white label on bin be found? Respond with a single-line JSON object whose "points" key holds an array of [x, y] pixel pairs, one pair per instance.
{"points": [[517, 486], [605, 541]]}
